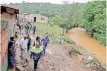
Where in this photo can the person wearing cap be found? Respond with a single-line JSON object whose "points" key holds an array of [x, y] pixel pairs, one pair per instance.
{"points": [[45, 42], [36, 52]]}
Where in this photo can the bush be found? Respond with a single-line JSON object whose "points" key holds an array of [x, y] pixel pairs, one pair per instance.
{"points": [[75, 51]]}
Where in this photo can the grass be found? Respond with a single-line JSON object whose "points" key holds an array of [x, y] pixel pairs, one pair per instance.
{"points": [[75, 51], [55, 33], [47, 28]]}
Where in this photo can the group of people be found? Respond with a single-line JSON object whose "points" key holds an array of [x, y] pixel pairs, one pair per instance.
{"points": [[36, 47], [25, 28]]}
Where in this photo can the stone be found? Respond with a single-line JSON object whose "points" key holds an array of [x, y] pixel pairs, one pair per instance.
{"points": [[19, 68], [61, 70]]}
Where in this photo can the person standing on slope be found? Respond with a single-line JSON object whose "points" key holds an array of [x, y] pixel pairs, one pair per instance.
{"points": [[45, 42], [36, 52], [11, 53], [24, 44], [34, 29]]}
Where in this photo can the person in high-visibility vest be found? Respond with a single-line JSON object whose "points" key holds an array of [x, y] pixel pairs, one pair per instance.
{"points": [[36, 52]]}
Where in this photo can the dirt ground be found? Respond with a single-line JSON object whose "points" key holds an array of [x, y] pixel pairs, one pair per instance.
{"points": [[56, 59]]}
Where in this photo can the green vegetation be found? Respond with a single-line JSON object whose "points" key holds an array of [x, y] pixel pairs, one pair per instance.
{"points": [[95, 20], [46, 9], [54, 32], [75, 18], [91, 16], [75, 51], [46, 28]]}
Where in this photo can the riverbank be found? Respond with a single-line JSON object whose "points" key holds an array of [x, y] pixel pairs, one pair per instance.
{"points": [[58, 38], [80, 37], [62, 54]]}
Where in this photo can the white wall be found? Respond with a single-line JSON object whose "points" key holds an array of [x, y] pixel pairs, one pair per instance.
{"points": [[30, 18]]}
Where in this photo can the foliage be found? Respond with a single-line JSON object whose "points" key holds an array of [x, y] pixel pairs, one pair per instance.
{"points": [[95, 20], [75, 51], [54, 33], [75, 16], [56, 20], [46, 28], [46, 9]]}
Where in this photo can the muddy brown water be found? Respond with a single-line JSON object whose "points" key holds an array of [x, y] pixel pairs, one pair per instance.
{"points": [[80, 37]]}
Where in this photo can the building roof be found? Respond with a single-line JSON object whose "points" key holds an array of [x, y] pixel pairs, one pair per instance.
{"points": [[4, 6], [38, 15]]}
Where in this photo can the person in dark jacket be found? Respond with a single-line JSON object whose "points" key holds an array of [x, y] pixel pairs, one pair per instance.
{"points": [[11, 52], [29, 42], [30, 27], [45, 42], [36, 52], [34, 29]]}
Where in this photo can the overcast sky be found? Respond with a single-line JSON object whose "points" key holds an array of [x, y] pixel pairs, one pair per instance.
{"points": [[49, 1]]}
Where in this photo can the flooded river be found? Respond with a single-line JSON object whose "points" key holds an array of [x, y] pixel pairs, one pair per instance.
{"points": [[80, 37]]}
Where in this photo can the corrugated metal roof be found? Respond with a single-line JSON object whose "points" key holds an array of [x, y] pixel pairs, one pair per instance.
{"points": [[4, 6], [9, 6]]}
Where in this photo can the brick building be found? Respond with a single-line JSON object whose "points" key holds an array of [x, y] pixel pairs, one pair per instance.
{"points": [[34, 18], [8, 16]]}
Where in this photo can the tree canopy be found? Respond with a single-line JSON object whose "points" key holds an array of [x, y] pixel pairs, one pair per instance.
{"points": [[95, 20]]}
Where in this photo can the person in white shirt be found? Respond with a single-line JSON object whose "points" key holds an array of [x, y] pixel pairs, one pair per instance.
{"points": [[23, 45]]}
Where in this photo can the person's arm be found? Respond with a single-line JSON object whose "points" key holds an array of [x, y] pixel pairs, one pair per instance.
{"points": [[21, 43], [41, 53], [33, 53], [42, 40], [27, 41], [30, 40], [12, 48]]}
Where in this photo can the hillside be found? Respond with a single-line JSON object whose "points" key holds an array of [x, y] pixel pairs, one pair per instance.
{"points": [[45, 9]]}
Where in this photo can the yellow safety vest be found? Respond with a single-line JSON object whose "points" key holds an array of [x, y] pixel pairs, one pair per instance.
{"points": [[36, 50]]}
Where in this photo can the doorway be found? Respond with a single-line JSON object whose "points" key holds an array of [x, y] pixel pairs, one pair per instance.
{"points": [[34, 19]]}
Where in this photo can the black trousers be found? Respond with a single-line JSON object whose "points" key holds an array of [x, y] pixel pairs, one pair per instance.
{"points": [[35, 64], [28, 47]]}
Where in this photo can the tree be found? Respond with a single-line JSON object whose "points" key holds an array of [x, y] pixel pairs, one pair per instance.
{"points": [[95, 20], [75, 16], [56, 20]]}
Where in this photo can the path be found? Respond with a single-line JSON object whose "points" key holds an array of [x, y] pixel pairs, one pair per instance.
{"points": [[56, 59]]}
